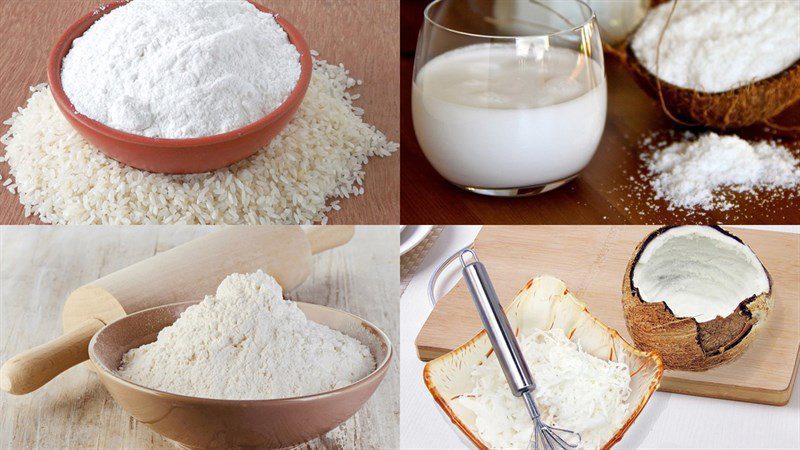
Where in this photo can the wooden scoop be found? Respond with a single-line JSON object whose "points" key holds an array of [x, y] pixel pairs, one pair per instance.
{"points": [[185, 273]]}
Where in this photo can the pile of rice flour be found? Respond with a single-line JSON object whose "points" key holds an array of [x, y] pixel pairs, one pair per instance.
{"points": [[247, 343], [716, 46], [690, 173], [319, 156], [574, 390], [181, 68]]}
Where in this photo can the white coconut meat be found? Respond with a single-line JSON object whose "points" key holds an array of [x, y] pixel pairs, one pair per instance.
{"points": [[699, 272], [717, 46]]}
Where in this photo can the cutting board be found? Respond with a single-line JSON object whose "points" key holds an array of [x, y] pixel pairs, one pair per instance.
{"points": [[592, 260]]}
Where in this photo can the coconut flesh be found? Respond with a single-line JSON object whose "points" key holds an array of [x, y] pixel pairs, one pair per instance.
{"points": [[696, 295], [723, 64]]}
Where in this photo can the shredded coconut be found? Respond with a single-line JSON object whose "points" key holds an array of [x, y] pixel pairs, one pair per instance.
{"points": [[247, 342], [319, 155], [716, 46], [574, 390], [690, 173], [181, 68]]}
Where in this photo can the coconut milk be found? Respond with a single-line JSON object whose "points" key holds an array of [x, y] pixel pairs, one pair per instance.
{"points": [[487, 117]]}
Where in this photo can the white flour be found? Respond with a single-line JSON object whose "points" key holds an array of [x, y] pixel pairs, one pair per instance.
{"points": [[247, 342], [715, 46], [181, 68], [689, 173]]}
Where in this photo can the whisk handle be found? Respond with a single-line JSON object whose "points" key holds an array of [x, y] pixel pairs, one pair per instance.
{"points": [[495, 322]]}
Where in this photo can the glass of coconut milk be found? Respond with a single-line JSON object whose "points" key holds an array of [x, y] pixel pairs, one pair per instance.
{"points": [[509, 96]]}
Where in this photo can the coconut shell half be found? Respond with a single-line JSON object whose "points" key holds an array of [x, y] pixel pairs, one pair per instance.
{"points": [[751, 104], [682, 342]]}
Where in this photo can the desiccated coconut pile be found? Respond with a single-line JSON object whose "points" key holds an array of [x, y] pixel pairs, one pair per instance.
{"points": [[319, 156], [247, 343], [708, 172]]}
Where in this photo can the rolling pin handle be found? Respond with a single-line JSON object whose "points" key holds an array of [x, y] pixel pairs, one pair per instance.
{"points": [[328, 237], [32, 369]]}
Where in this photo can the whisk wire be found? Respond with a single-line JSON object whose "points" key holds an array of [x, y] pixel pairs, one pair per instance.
{"points": [[557, 434], [546, 437], [550, 440]]}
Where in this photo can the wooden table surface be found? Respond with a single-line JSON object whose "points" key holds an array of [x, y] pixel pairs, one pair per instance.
{"points": [[604, 193], [361, 34], [40, 266]]}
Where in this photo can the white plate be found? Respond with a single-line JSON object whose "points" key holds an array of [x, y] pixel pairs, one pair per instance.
{"points": [[412, 235]]}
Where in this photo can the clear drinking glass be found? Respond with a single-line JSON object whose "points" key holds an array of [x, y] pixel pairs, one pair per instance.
{"points": [[509, 96]]}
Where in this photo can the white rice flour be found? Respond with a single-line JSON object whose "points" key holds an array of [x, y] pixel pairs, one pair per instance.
{"points": [[247, 342], [181, 68]]}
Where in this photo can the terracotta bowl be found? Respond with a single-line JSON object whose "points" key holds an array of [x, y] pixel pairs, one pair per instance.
{"points": [[178, 156], [210, 423], [537, 307]]}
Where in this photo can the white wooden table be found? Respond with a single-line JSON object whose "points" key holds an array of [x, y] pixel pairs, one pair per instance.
{"points": [[40, 266], [668, 420]]}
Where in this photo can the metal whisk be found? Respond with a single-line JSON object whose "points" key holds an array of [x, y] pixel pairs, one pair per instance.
{"points": [[510, 356]]}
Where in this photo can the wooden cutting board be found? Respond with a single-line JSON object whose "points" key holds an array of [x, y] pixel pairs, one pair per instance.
{"points": [[592, 260]]}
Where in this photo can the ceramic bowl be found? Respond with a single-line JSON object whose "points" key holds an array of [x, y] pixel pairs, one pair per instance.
{"points": [[212, 423], [178, 156], [448, 376]]}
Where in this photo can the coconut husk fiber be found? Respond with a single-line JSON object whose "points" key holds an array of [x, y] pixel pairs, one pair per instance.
{"points": [[751, 104]]}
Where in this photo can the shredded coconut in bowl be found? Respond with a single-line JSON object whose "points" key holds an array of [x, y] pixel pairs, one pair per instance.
{"points": [[247, 343], [716, 46], [319, 157], [181, 68], [574, 391]]}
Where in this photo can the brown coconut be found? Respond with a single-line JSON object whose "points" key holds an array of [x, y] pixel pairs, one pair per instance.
{"points": [[682, 342], [754, 103]]}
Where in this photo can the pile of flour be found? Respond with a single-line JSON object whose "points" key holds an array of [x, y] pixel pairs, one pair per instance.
{"points": [[716, 46], [247, 342], [181, 68], [690, 173]]}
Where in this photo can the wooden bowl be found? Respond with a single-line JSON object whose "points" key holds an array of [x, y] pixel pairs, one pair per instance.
{"points": [[178, 156], [212, 423], [448, 376]]}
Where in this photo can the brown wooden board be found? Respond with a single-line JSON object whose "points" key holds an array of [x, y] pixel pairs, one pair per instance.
{"points": [[360, 34], [592, 260]]}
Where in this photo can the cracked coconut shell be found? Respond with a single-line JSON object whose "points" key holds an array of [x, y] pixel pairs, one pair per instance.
{"points": [[682, 342]]}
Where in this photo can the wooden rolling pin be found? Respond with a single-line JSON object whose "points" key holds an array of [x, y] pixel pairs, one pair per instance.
{"points": [[184, 273]]}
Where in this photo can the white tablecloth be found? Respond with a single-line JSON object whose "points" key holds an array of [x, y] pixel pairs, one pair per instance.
{"points": [[668, 420]]}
